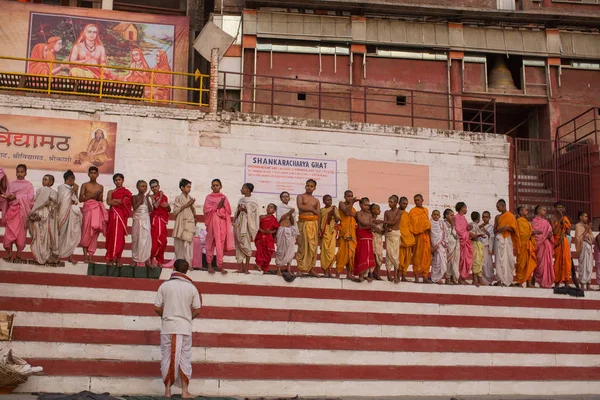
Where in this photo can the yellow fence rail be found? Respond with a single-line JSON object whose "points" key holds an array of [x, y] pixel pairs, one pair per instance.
{"points": [[103, 81]]}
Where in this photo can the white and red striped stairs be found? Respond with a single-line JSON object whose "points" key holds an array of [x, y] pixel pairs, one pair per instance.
{"points": [[260, 336]]}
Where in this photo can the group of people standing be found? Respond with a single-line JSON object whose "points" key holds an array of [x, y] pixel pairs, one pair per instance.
{"points": [[441, 247]]}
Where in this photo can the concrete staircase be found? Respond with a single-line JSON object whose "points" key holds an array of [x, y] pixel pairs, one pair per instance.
{"points": [[261, 336], [531, 192]]}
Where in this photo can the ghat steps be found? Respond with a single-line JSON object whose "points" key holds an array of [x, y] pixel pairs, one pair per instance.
{"points": [[260, 336]]}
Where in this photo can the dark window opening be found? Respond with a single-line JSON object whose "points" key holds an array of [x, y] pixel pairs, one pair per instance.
{"points": [[302, 96], [400, 100]]}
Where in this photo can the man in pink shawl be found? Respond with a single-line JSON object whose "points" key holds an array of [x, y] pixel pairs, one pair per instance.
{"points": [[95, 216], [464, 237], [219, 231], [17, 204], [542, 230]]}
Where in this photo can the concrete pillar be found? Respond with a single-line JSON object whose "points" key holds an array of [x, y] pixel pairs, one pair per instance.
{"points": [[107, 4], [213, 97]]}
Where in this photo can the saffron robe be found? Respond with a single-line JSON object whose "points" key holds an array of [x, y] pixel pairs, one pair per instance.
{"points": [[95, 218], [466, 247], [453, 253], [15, 213], [43, 226], [365, 259], [420, 227], [526, 258], [219, 231], [439, 260], [407, 243], [308, 227], [141, 236], [503, 248], [544, 249], [69, 220], [265, 242], [245, 228], [347, 248], [184, 229], [286, 238], [117, 223], [585, 253], [159, 218], [562, 251], [328, 235]]}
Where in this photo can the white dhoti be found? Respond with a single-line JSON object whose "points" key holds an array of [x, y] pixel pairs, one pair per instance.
{"points": [[286, 245], [176, 358], [505, 259], [141, 238], [585, 263], [392, 250], [183, 250], [488, 264]]}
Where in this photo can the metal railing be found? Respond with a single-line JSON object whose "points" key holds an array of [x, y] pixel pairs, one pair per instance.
{"points": [[105, 82], [270, 95], [581, 129]]}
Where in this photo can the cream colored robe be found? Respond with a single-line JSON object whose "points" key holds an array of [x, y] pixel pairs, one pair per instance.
{"points": [[69, 219], [44, 232], [245, 228], [184, 229]]}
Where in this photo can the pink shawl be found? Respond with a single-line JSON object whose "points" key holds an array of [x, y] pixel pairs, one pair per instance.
{"points": [[23, 190], [466, 247], [544, 271], [218, 222]]}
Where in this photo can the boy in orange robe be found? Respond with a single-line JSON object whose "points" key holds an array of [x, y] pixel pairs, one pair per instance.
{"points": [[407, 239], [347, 236], [420, 227], [527, 258], [561, 226]]}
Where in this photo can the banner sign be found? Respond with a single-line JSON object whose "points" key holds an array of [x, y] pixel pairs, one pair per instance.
{"points": [[275, 174], [57, 144]]}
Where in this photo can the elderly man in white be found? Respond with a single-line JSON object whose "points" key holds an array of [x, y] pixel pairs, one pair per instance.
{"points": [[177, 302]]}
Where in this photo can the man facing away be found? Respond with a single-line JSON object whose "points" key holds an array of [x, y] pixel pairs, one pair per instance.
{"points": [[177, 303]]}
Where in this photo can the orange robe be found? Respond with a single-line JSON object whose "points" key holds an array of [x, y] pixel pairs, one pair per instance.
{"points": [[420, 227], [347, 247], [407, 243], [526, 258], [42, 51], [562, 251]]}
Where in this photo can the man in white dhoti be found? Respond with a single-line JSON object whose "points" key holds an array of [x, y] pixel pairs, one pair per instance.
{"points": [[245, 227], [452, 248], [286, 234], [185, 222], [177, 303], [506, 244], [42, 223], [69, 217], [488, 247], [584, 248], [141, 238]]}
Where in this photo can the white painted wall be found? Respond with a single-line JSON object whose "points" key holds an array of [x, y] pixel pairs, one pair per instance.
{"points": [[170, 143]]}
